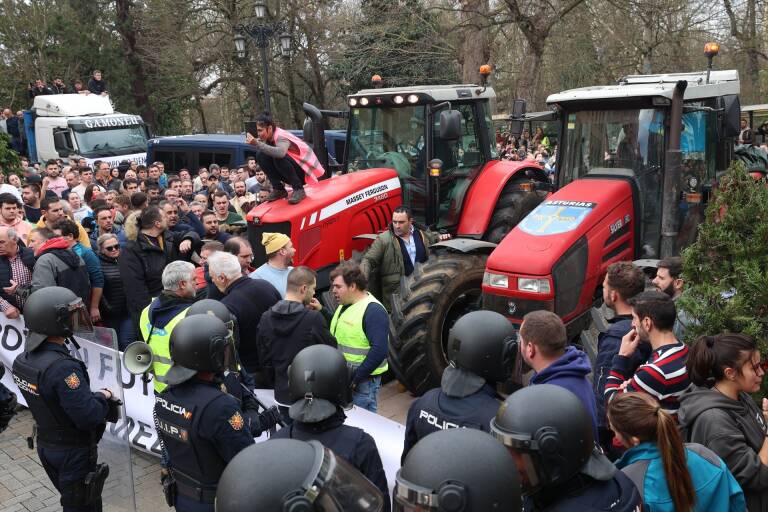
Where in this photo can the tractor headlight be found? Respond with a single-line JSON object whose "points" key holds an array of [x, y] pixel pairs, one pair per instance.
{"points": [[398, 100], [528, 284], [496, 280], [352, 102], [364, 101]]}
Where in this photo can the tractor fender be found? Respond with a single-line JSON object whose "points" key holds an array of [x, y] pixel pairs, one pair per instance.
{"points": [[467, 245], [483, 195]]}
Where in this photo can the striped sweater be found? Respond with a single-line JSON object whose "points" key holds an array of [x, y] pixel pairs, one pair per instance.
{"points": [[663, 376]]}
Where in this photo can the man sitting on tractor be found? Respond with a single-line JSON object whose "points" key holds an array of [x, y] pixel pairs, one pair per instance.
{"points": [[285, 158], [395, 253]]}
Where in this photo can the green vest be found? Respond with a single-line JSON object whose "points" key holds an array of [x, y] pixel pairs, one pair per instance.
{"points": [[347, 327], [160, 343]]}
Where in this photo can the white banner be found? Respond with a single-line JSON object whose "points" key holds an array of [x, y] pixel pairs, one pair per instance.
{"points": [[137, 427]]}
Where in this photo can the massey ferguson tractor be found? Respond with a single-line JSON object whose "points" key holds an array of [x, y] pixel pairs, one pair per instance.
{"points": [[431, 148], [638, 161]]}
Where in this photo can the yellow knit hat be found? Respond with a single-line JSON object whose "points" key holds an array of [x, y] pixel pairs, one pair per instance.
{"points": [[273, 242]]}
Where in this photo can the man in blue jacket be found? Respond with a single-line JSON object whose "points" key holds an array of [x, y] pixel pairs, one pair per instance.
{"points": [[622, 282], [543, 345]]}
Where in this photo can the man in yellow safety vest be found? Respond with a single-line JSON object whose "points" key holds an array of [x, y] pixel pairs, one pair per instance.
{"points": [[164, 312], [361, 328]]}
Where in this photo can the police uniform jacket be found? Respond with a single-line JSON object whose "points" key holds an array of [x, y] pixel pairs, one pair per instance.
{"points": [[350, 443], [57, 390], [202, 429], [437, 411]]}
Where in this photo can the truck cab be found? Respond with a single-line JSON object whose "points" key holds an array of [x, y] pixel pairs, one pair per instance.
{"points": [[60, 125]]}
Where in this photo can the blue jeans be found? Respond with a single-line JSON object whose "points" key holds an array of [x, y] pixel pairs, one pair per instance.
{"points": [[366, 393], [123, 326]]}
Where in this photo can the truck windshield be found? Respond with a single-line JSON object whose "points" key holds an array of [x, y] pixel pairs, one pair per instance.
{"points": [[123, 140], [597, 141]]}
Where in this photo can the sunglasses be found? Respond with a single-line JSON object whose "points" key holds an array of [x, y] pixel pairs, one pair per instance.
{"points": [[112, 248]]}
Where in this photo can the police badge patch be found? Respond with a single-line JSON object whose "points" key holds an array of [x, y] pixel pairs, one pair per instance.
{"points": [[72, 381], [236, 421]]}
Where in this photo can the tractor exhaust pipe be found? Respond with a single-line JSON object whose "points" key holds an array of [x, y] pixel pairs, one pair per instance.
{"points": [[672, 164], [317, 133]]}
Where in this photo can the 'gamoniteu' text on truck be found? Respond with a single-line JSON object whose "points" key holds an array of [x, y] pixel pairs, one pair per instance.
{"points": [[61, 125]]}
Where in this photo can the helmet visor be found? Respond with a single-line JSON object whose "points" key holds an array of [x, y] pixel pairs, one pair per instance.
{"points": [[76, 313], [339, 487], [409, 497], [524, 451]]}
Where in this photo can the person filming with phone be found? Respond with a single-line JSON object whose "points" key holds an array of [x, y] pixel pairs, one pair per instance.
{"points": [[284, 157], [664, 375]]}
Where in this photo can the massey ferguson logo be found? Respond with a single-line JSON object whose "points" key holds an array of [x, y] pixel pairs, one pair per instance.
{"points": [[174, 408], [23, 385], [437, 422]]}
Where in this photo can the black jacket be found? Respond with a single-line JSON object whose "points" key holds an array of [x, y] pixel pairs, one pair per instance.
{"points": [[27, 256], [248, 299], [286, 329], [141, 266], [97, 86], [113, 300]]}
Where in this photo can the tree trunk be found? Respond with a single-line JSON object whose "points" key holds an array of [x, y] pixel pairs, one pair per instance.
{"points": [[528, 83], [127, 33], [647, 54], [475, 47]]}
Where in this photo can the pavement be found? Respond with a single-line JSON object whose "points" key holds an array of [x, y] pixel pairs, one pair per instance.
{"points": [[24, 486]]}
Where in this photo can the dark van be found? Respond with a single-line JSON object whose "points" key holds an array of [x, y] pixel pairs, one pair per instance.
{"points": [[195, 151]]}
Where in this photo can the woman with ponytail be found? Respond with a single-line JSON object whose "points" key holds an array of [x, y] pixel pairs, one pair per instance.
{"points": [[718, 412], [671, 476]]}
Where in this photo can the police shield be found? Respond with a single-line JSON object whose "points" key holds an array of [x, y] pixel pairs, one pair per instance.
{"points": [[97, 348]]}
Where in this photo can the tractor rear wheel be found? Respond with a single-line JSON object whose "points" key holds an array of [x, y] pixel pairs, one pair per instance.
{"points": [[432, 298], [513, 205]]}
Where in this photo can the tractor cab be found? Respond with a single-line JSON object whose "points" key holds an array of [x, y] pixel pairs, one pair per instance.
{"points": [[406, 128], [636, 165]]}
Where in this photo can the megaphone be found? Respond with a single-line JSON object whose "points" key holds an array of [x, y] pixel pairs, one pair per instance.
{"points": [[137, 358]]}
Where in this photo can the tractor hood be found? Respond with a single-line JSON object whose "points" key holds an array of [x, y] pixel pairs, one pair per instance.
{"points": [[552, 228], [330, 197]]}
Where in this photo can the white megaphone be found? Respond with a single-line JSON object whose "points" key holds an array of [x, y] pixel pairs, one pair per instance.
{"points": [[137, 358]]}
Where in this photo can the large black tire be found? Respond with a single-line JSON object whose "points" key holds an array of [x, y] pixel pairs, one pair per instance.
{"points": [[438, 293], [513, 205]]}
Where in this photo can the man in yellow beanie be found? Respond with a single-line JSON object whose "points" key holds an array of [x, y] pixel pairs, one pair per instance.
{"points": [[280, 254]]}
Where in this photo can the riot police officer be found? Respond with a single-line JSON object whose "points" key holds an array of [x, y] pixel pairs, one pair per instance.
{"points": [[201, 427], [481, 351], [462, 470], [238, 383], [294, 476], [319, 387], [549, 434], [7, 403], [69, 417]]}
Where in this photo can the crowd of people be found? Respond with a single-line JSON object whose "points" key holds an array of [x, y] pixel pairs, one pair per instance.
{"points": [[537, 148], [159, 256], [95, 85]]}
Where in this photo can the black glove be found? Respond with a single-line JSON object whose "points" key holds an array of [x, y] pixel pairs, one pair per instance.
{"points": [[267, 420], [249, 403], [113, 413], [7, 411]]}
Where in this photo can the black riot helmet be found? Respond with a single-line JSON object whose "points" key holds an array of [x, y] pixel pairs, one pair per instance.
{"points": [[288, 475], [549, 433], [318, 381], [199, 343], [53, 311], [215, 308], [457, 470], [481, 347]]}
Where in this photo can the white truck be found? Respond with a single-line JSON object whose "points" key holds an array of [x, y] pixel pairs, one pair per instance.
{"points": [[61, 125]]}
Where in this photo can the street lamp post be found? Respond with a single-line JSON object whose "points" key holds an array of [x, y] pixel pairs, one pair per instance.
{"points": [[262, 33]]}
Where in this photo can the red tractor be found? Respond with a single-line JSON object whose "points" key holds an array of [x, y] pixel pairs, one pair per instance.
{"points": [[638, 162], [395, 137]]}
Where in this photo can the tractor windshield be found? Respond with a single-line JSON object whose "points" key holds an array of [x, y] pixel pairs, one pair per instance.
{"points": [[597, 141], [388, 137]]}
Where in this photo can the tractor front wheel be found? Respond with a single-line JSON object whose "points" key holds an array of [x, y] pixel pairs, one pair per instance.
{"points": [[432, 298]]}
